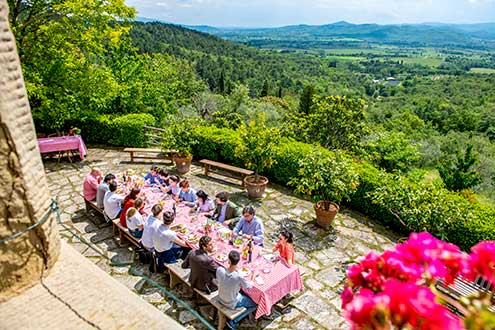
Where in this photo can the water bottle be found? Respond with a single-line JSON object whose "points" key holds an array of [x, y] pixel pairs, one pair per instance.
{"points": [[250, 250]]}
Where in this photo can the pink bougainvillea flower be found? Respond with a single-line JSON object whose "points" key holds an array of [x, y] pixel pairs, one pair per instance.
{"points": [[482, 261], [346, 296], [368, 311]]}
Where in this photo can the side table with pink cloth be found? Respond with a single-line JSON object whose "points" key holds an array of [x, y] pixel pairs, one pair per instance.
{"points": [[63, 143]]}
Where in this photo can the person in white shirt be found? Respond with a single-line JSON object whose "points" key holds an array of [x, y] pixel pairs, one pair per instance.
{"points": [[168, 247], [112, 202], [229, 286], [150, 225], [135, 222]]}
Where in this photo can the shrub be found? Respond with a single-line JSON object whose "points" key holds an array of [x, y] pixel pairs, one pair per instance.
{"points": [[125, 130], [128, 130], [394, 200]]}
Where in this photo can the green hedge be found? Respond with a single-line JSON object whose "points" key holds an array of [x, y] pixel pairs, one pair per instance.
{"points": [[394, 200], [121, 131]]}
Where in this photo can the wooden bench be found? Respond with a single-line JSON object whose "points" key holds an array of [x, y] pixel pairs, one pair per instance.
{"points": [[211, 166], [453, 293], [145, 153], [124, 232], [224, 313], [178, 274], [91, 206]]}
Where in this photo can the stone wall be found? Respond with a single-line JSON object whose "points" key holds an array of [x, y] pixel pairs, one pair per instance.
{"points": [[24, 196]]}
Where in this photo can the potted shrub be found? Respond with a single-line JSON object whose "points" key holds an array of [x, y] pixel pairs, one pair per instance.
{"points": [[179, 136], [257, 150], [328, 179]]}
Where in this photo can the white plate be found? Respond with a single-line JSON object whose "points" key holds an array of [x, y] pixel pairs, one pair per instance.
{"points": [[244, 272], [269, 257]]}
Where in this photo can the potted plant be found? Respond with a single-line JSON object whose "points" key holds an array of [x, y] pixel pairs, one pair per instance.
{"points": [[327, 180], [257, 149], [179, 136]]}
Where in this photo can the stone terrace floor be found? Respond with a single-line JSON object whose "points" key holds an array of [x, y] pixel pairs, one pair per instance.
{"points": [[321, 254]]}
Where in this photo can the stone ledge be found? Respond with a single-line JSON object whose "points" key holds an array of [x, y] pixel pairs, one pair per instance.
{"points": [[90, 292]]}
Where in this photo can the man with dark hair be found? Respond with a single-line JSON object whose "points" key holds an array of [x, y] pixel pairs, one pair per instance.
{"points": [[229, 287], [103, 188], [250, 226], [167, 245], [226, 212], [152, 176], [112, 202], [203, 268]]}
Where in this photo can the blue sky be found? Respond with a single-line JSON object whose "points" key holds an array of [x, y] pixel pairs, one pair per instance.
{"points": [[267, 13]]}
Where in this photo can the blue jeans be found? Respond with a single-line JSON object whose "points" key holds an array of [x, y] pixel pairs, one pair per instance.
{"points": [[138, 233], [167, 257], [244, 301]]}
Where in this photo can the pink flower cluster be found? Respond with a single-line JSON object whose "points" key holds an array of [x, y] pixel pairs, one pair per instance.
{"points": [[391, 290]]}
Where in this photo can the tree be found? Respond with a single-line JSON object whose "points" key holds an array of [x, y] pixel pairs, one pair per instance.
{"points": [[221, 84], [63, 49], [306, 99], [336, 122], [264, 89], [459, 174]]}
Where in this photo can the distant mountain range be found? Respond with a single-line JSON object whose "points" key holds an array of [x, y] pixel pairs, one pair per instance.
{"points": [[480, 36]]}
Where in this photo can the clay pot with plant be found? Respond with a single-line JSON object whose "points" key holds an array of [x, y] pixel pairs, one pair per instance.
{"points": [[327, 178], [257, 149], [179, 137]]}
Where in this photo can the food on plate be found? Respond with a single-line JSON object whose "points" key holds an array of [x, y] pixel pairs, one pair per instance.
{"points": [[193, 238], [221, 257], [245, 271], [238, 241]]}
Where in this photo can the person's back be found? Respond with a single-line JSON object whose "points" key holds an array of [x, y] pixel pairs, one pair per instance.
{"points": [[150, 226], [112, 202], [100, 194], [90, 184], [203, 268], [102, 189], [230, 282]]}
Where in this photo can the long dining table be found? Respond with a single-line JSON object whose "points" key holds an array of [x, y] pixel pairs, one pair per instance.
{"points": [[272, 278]]}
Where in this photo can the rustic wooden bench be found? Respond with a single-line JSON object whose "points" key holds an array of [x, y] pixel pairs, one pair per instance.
{"points": [[453, 293], [223, 312], [178, 274], [124, 233], [146, 153], [211, 166]]}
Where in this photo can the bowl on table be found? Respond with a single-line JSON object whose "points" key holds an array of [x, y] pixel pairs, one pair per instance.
{"points": [[244, 271]]}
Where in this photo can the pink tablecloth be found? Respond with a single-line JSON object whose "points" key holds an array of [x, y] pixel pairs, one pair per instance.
{"points": [[62, 143], [276, 279]]}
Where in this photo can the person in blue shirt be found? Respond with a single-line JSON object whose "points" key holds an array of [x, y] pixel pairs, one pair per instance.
{"points": [[249, 226], [187, 194], [152, 176]]}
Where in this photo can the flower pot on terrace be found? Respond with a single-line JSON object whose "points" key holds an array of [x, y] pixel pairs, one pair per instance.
{"points": [[183, 164], [325, 213], [255, 185]]}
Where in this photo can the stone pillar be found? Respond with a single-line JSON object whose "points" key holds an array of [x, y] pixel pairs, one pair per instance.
{"points": [[24, 196]]}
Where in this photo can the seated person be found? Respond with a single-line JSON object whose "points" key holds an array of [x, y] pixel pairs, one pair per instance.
{"points": [[285, 247], [229, 286], [226, 212], [164, 176], [203, 268], [152, 176], [173, 186], [90, 184], [151, 223], [249, 226], [127, 203], [135, 222], [112, 202], [187, 194], [204, 203], [167, 245], [103, 188]]}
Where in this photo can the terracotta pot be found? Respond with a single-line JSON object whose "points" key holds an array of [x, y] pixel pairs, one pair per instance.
{"points": [[255, 189], [325, 213], [183, 164]]}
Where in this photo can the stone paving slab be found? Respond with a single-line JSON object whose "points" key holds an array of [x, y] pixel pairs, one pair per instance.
{"points": [[77, 295], [322, 254]]}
